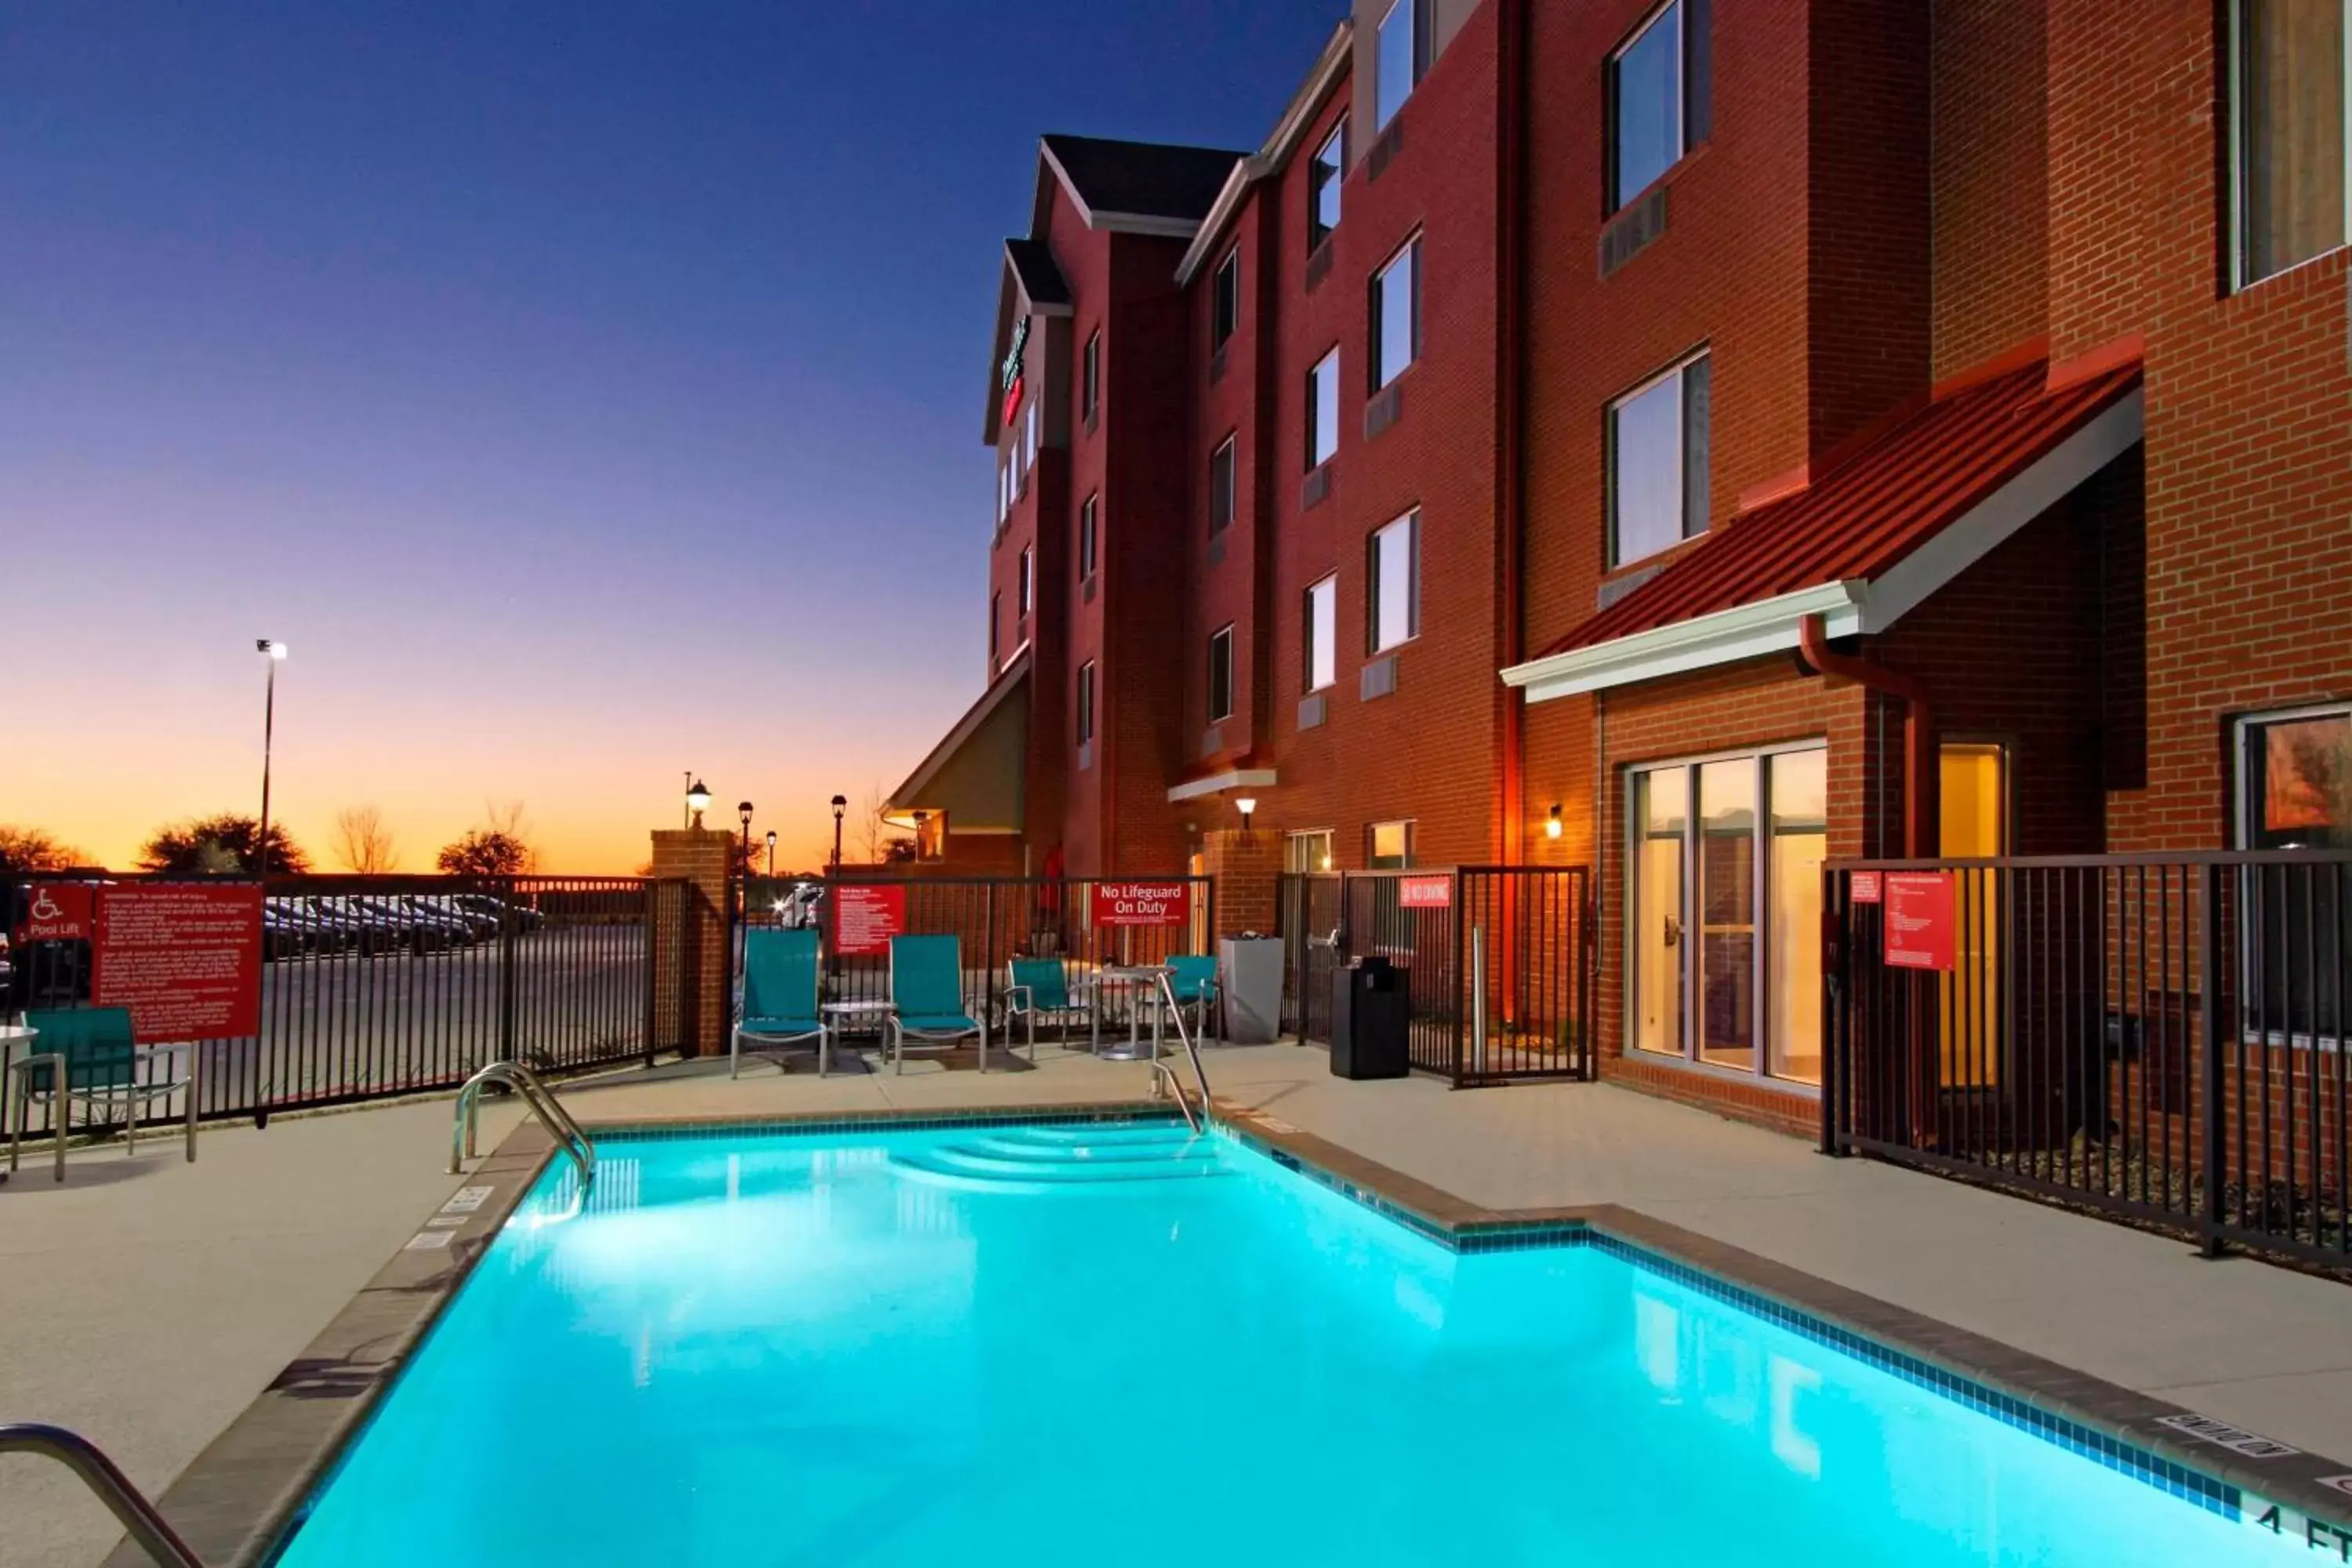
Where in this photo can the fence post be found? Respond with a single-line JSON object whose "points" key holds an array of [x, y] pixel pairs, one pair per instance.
{"points": [[1833, 1034], [988, 953], [651, 916], [2209, 1077], [506, 972]]}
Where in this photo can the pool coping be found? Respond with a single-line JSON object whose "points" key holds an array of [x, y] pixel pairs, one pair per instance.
{"points": [[238, 1501]]}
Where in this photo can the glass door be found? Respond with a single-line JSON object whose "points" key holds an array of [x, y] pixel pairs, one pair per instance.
{"points": [[1661, 809], [1973, 823], [1727, 891]]}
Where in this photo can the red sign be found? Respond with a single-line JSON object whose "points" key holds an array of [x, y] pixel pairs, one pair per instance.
{"points": [[185, 959], [1918, 919], [1143, 903], [1865, 887], [56, 911], [864, 919], [1012, 401], [1425, 892]]}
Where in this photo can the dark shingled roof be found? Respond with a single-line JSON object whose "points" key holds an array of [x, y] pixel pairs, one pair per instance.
{"points": [[1147, 179], [1033, 263]]}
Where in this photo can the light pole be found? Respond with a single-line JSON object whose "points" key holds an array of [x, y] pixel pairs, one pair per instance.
{"points": [[744, 810], [840, 804], [771, 854], [275, 652], [698, 801]]}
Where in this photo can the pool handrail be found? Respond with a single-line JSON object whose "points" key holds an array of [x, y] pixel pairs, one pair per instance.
{"points": [[1164, 1082], [77, 1453], [561, 1125]]}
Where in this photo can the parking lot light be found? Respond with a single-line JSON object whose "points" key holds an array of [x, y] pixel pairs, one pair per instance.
{"points": [[698, 801]]}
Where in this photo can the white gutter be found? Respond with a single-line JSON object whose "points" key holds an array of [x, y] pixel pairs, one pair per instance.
{"points": [[1216, 784], [1744, 631]]}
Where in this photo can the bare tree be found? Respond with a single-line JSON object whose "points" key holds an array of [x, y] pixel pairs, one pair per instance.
{"points": [[37, 849], [881, 840], [362, 843]]}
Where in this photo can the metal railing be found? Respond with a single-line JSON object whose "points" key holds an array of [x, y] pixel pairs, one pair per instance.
{"points": [[139, 1518], [560, 1123], [375, 986], [2159, 1037], [1523, 1015]]}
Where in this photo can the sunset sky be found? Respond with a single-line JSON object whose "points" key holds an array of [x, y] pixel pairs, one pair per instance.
{"points": [[585, 392]]}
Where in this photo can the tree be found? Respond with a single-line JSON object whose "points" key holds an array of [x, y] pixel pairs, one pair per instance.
{"points": [[35, 850], [881, 840], [362, 843], [485, 852], [221, 844]]}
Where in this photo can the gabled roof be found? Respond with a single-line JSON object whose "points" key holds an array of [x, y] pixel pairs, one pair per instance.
{"points": [[1305, 105], [975, 773], [1032, 261], [1146, 188], [1870, 539]]}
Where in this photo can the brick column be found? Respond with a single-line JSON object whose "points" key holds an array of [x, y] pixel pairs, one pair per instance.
{"points": [[1246, 865], [702, 857]]}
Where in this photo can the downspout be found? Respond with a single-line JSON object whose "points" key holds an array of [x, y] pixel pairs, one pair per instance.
{"points": [[1919, 724], [1511, 417]]}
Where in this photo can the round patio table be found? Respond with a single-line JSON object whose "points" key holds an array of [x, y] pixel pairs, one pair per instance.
{"points": [[1135, 977], [11, 1037]]}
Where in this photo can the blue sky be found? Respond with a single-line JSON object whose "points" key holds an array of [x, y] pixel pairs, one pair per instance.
{"points": [[585, 391]]}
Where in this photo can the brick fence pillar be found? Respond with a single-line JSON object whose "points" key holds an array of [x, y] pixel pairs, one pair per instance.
{"points": [[1246, 864], [702, 857]]}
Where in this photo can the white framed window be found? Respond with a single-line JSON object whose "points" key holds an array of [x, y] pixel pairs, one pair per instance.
{"points": [[2289, 117], [1659, 96], [1393, 599], [1003, 491], [1387, 846], [995, 632], [1320, 635], [1400, 57], [1086, 702], [1396, 314], [1324, 178], [1028, 586], [1221, 675], [1087, 518], [1323, 410], [1090, 377], [1657, 469], [1225, 304], [1031, 460], [1221, 487], [1307, 850]]}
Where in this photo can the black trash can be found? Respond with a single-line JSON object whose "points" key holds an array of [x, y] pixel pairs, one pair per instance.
{"points": [[1368, 1021]]}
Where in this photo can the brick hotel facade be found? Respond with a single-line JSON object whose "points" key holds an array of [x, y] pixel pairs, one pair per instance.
{"points": [[1736, 433]]}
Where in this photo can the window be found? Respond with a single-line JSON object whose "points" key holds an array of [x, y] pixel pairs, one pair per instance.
{"points": [[2295, 792], [1031, 459], [1090, 377], [1324, 178], [1402, 55], [1003, 491], [1320, 657], [1086, 539], [1027, 587], [1307, 851], [1323, 411], [1221, 488], [2287, 132], [1396, 592], [1724, 900], [1396, 315], [1221, 675], [1657, 463], [1085, 704], [1225, 308], [996, 617], [1387, 846], [1659, 97]]}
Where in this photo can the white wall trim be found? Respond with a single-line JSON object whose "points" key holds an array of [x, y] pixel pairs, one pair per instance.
{"points": [[1726, 636], [1216, 784]]}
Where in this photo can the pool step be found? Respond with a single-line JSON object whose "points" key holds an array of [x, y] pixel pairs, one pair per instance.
{"points": [[1126, 1153], [1013, 1162], [1142, 1134]]}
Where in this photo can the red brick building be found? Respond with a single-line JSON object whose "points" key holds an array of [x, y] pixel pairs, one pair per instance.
{"points": [[1741, 434]]}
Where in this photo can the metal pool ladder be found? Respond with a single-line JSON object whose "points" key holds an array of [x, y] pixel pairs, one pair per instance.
{"points": [[84, 1458], [1164, 1079], [561, 1125]]}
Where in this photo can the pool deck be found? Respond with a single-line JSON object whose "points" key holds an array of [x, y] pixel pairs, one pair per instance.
{"points": [[147, 1301]]}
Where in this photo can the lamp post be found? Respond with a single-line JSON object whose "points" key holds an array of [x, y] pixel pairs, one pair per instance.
{"points": [[743, 811], [840, 804], [275, 652], [698, 801], [771, 854]]}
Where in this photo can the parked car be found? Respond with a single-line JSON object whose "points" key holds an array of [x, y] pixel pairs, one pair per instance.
{"points": [[498, 909]]}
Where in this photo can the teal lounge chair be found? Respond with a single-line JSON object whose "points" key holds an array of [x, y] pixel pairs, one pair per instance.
{"points": [[778, 1007], [103, 1063], [927, 999], [1192, 977], [1040, 988]]}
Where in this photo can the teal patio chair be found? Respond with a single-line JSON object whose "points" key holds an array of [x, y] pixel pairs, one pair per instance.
{"points": [[927, 999], [1040, 988], [1192, 978], [103, 1063], [779, 1007]]}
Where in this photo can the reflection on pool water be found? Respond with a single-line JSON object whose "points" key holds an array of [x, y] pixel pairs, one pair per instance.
{"points": [[1058, 1344]]}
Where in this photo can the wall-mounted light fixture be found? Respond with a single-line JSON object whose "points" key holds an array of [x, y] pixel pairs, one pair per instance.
{"points": [[1551, 824], [1245, 805]]}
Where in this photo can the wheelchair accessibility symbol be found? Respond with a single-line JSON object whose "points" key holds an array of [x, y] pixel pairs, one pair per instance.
{"points": [[45, 908], [57, 913]]}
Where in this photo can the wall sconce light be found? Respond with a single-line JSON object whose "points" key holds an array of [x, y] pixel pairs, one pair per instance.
{"points": [[1551, 824], [1245, 805]]}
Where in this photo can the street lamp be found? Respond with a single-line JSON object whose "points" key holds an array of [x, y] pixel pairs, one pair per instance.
{"points": [[771, 854], [698, 801], [1245, 805], [744, 810], [840, 804], [275, 652]]}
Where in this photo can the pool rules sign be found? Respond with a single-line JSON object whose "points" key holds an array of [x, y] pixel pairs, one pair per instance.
{"points": [[1143, 903], [185, 958]]}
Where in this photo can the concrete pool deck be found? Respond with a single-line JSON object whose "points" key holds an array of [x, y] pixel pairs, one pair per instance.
{"points": [[147, 1301]]}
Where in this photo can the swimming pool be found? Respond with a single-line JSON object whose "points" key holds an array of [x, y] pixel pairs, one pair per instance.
{"points": [[1123, 1344]]}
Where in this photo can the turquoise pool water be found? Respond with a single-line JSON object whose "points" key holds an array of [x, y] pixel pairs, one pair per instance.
{"points": [[1058, 1346]]}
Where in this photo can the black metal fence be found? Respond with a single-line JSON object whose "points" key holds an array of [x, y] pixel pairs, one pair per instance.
{"points": [[1497, 962], [2157, 1037], [374, 986], [996, 918]]}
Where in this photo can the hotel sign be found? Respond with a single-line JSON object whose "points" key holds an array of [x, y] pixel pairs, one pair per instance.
{"points": [[1010, 375]]}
